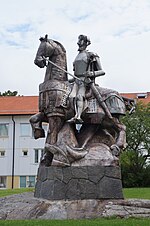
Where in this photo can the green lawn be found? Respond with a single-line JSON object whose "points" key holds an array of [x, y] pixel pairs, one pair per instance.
{"points": [[6, 192], [139, 193], [97, 222]]}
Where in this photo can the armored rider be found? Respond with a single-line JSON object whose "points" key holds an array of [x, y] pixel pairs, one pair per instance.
{"points": [[87, 66]]}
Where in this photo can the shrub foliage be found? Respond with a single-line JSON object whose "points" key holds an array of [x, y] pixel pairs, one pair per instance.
{"points": [[135, 160]]}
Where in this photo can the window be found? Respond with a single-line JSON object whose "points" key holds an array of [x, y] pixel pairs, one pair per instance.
{"points": [[2, 182], [31, 182], [27, 181], [38, 153], [25, 152], [141, 95], [2, 153], [25, 129], [3, 129], [22, 181]]}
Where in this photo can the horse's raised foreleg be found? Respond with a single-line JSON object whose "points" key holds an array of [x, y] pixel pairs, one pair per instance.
{"points": [[36, 123]]}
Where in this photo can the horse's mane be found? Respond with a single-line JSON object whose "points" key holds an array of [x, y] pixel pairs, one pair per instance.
{"points": [[58, 43]]}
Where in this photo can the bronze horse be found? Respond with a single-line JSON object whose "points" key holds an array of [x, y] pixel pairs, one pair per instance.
{"points": [[56, 107], [55, 84]]}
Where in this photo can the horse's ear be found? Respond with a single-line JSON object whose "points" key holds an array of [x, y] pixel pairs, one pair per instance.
{"points": [[41, 39], [46, 37]]}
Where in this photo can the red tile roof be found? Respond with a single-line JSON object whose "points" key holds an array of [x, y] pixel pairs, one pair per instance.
{"points": [[18, 105], [144, 97], [28, 105]]}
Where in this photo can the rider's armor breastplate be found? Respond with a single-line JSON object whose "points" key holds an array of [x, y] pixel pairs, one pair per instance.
{"points": [[80, 63]]}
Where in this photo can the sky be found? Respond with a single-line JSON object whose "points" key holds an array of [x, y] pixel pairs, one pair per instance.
{"points": [[119, 31]]}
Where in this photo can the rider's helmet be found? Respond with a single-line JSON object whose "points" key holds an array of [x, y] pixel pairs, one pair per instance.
{"points": [[83, 39]]}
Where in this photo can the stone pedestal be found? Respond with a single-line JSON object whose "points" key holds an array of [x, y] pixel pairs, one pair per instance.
{"points": [[79, 182]]}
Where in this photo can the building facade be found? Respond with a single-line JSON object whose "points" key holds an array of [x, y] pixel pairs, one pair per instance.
{"points": [[20, 153]]}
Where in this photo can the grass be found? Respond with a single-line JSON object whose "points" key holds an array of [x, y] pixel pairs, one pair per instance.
{"points": [[97, 222], [139, 193], [6, 192]]}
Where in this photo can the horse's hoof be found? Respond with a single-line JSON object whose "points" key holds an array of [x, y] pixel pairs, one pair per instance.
{"points": [[39, 133], [115, 150]]}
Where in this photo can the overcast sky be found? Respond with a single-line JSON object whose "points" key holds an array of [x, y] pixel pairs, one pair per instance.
{"points": [[119, 31]]}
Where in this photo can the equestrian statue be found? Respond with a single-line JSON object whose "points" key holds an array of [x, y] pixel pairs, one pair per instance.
{"points": [[83, 118]]}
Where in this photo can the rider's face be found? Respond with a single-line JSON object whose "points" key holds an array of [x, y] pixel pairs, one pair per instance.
{"points": [[82, 44]]}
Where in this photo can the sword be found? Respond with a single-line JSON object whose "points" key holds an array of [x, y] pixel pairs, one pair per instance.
{"points": [[51, 62]]}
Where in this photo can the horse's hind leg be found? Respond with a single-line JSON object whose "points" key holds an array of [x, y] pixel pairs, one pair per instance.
{"points": [[55, 124], [121, 137]]}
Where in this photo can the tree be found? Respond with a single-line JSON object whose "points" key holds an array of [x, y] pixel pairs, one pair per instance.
{"points": [[9, 93], [135, 160]]}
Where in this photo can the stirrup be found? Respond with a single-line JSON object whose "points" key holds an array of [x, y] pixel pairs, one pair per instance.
{"points": [[72, 120], [79, 121]]}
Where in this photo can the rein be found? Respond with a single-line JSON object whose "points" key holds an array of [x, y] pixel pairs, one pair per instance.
{"points": [[51, 62]]}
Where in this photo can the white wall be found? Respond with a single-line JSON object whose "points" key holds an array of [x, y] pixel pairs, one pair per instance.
{"points": [[24, 165]]}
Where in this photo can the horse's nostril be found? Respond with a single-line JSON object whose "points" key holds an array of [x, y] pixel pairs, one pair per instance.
{"points": [[39, 62]]}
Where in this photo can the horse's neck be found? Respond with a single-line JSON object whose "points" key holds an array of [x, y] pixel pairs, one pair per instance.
{"points": [[55, 73], [60, 60]]}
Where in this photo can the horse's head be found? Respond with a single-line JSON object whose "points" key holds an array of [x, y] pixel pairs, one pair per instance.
{"points": [[42, 52], [56, 53]]}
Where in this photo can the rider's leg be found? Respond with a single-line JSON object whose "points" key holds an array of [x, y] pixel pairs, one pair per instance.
{"points": [[80, 102]]}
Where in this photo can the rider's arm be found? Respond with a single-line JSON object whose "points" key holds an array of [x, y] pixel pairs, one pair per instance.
{"points": [[96, 69], [95, 74]]}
